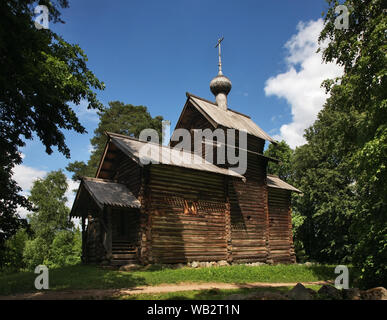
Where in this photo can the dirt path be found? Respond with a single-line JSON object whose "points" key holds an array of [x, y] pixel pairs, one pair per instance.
{"points": [[165, 288]]}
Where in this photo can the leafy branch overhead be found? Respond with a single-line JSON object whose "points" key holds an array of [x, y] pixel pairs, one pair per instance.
{"points": [[41, 77]]}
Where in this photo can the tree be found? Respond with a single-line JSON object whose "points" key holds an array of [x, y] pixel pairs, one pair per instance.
{"points": [[361, 95], [284, 154], [10, 199], [13, 253], [49, 219], [40, 75], [327, 203], [342, 168], [66, 249], [118, 118], [49, 204]]}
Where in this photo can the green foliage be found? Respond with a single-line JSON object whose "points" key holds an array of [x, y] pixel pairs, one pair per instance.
{"points": [[35, 252], [284, 154], [66, 249], [299, 248], [49, 202], [13, 253], [54, 242], [41, 74], [80, 169], [342, 168], [361, 96], [118, 118], [327, 203]]}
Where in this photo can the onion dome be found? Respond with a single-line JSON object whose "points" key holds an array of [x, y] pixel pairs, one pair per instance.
{"points": [[220, 84]]}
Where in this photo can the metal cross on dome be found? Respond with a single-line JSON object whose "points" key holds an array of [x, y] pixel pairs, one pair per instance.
{"points": [[218, 45]]}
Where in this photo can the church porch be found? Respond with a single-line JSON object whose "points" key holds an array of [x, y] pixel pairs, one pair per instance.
{"points": [[110, 222]]}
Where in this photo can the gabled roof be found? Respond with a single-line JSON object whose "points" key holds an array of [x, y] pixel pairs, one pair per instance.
{"points": [[227, 118], [276, 182], [106, 193], [165, 155]]}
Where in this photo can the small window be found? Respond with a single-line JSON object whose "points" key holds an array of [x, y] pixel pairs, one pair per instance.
{"points": [[190, 207]]}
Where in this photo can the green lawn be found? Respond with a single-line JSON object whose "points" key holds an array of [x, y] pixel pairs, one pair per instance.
{"points": [[93, 277]]}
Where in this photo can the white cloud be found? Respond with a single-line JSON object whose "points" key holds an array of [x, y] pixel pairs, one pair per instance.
{"points": [[22, 212], [90, 148], [25, 177], [300, 85], [83, 113], [70, 194]]}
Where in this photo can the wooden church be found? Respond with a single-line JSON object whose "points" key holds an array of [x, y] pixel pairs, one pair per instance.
{"points": [[181, 212]]}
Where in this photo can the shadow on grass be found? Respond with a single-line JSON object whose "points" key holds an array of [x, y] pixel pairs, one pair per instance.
{"points": [[94, 277], [79, 277], [156, 267], [323, 272], [328, 273], [217, 294]]}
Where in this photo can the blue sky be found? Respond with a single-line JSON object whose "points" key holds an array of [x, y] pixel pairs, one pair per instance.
{"points": [[151, 52]]}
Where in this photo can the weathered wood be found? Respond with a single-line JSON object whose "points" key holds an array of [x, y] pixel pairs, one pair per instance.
{"points": [[281, 240], [192, 235], [109, 233], [188, 215]]}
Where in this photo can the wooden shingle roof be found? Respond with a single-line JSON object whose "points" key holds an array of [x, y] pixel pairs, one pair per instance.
{"points": [[276, 182], [166, 155], [228, 118], [105, 193], [110, 193]]}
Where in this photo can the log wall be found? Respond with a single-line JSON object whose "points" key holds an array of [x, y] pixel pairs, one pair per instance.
{"points": [[128, 172], [280, 239], [179, 236], [249, 214], [94, 247]]}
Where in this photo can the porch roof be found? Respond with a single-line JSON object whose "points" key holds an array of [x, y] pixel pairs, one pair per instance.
{"points": [[104, 193], [276, 182]]}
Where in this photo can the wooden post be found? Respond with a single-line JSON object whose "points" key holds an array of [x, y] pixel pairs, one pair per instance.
{"points": [[144, 234], [228, 221], [109, 235]]}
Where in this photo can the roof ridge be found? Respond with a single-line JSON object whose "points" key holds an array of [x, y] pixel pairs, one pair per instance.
{"points": [[188, 94], [213, 103], [240, 113], [154, 143], [109, 133], [133, 138], [99, 180]]}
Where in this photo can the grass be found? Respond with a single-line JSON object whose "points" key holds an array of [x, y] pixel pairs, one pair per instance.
{"points": [[207, 294], [93, 277]]}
